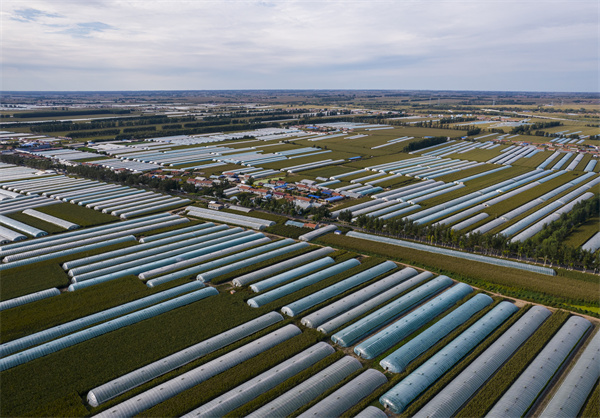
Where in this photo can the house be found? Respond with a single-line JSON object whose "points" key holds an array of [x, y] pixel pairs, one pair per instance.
{"points": [[215, 205], [303, 202]]}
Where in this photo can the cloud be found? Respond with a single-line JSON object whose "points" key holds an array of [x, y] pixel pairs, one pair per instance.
{"points": [[31, 15], [427, 44], [82, 30]]}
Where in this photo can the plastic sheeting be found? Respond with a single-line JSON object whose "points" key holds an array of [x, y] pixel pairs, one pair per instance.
{"points": [[255, 387], [144, 374], [170, 388], [32, 297], [249, 261], [296, 285], [517, 400], [308, 390], [95, 331], [299, 306], [396, 332], [348, 315], [50, 219], [453, 253], [577, 386], [401, 395], [77, 324], [347, 396], [450, 399], [20, 226], [319, 317], [394, 309], [281, 266], [402, 357]]}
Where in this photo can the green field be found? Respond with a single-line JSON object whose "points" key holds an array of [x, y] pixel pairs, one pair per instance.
{"points": [[79, 215]]}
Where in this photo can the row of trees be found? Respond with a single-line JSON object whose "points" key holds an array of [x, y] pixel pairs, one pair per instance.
{"points": [[548, 246], [528, 129]]}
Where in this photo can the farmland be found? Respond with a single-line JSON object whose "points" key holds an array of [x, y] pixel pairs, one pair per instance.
{"points": [[139, 236]]}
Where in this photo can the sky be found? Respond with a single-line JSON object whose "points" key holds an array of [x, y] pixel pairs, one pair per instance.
{"points": [[491, 45]]}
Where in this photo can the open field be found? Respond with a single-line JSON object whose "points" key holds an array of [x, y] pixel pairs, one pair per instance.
{"points": [[80, 215]]}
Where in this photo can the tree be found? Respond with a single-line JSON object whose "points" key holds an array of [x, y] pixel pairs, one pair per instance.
{"points": [[345, 216]]}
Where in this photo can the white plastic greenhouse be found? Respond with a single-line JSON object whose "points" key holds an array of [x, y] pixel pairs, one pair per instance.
{"points": [[301, 305], [518, 399], [308, 390], [397, 361], [577, 386], [301, 283], [363, 327], [255, 387], [354, 299], [401, 395], [347, 396], [96, 330], [339, 320], [283, 265], [450, 399], [397, 331]]}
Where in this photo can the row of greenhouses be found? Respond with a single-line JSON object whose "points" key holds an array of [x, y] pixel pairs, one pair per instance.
{"points": [[81, 240], [163, 258], [371, 309], [122, 201], [23, 202], [9, 172], [410, 202]]}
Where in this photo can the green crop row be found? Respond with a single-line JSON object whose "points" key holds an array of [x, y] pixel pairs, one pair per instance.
{"points": [[493, 389], [592, 407], [230, 276], [285, 386], [277, 304]]}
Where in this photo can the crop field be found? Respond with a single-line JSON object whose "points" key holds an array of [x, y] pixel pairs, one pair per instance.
{"points": [[583, 233], [377, 160], [523, 198], [19, 281], [448, 178], [475, 185], [79, 215], [56, 383], [327, 171], [334, 155]]}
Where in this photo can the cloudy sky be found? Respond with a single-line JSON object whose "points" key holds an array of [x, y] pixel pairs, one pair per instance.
{"points": [[532, 45]]}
